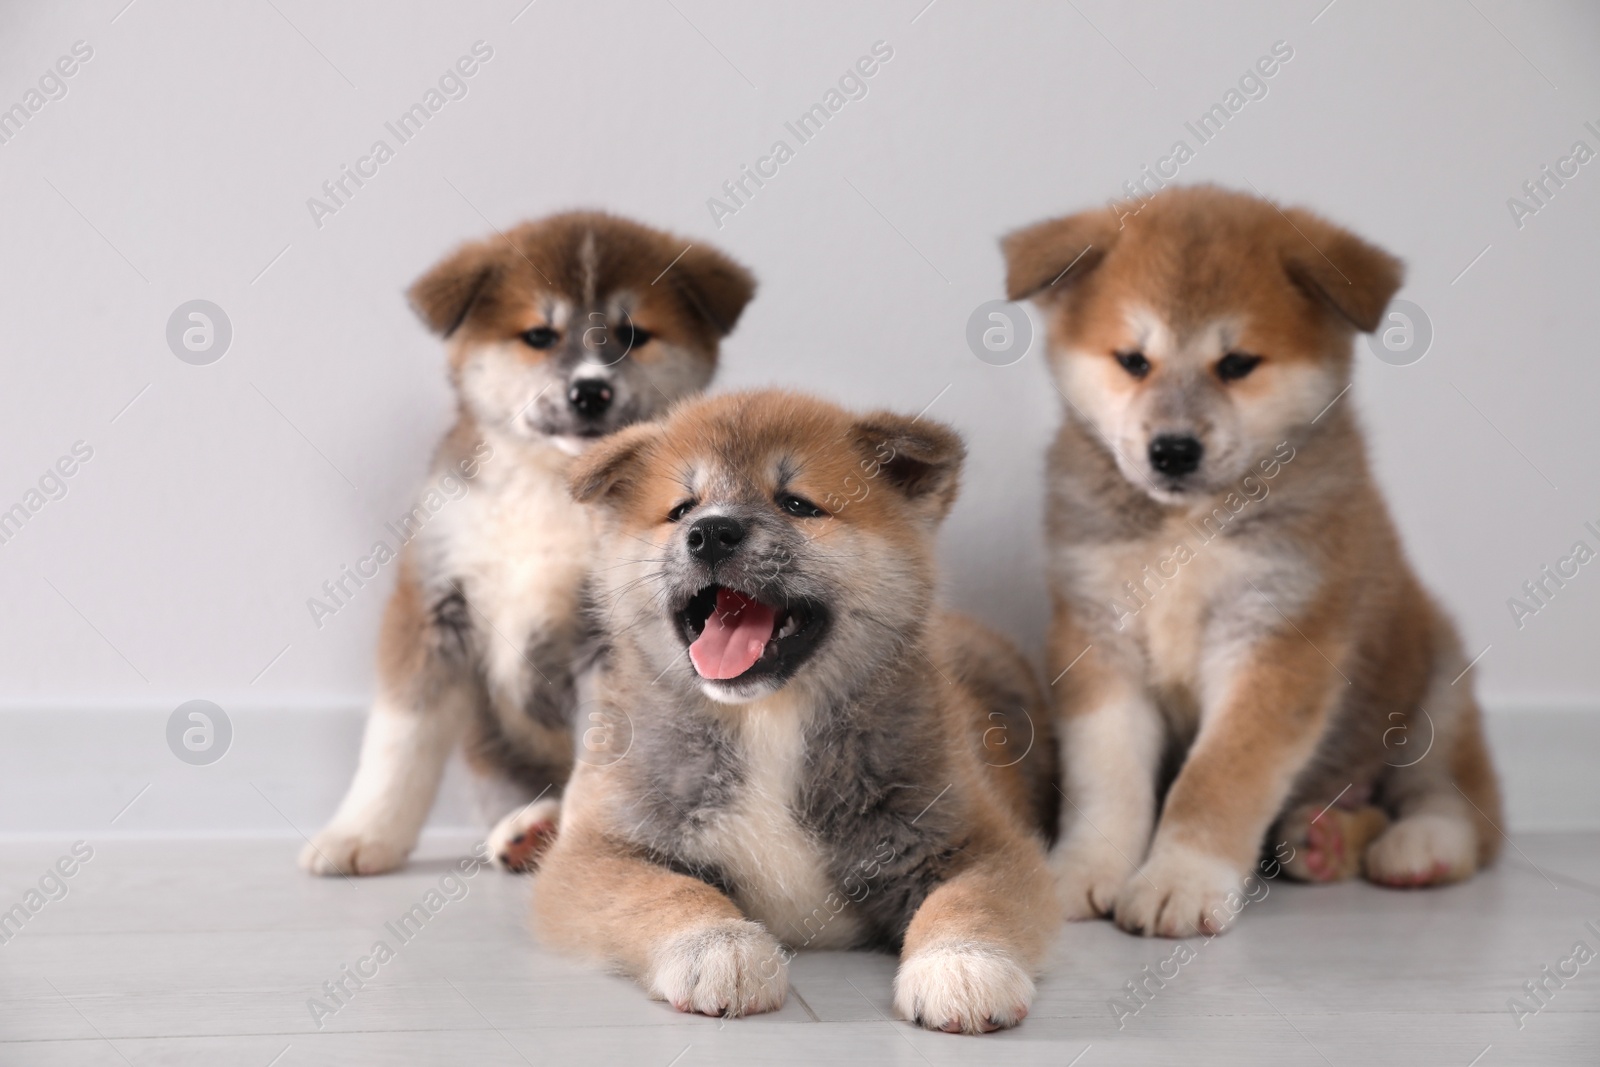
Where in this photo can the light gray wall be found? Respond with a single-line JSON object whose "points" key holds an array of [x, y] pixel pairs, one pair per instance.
{"points": [[179, 164]]}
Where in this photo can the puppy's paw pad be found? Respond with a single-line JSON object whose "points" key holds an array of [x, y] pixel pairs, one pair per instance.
{"points": [[963, 988], [1088, 877], [1180, 893], [519, 839], [334, 852], [733, 967], [1423, 850], [1328, 843]]}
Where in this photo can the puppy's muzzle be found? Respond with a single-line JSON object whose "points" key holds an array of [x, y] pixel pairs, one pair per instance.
{"points": [[1176, 455]]}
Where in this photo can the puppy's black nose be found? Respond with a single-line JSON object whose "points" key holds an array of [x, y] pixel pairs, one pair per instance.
{"points": [[1175, 455], [589, 397], [714, 538]]}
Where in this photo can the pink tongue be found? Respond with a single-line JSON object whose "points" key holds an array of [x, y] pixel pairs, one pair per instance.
{"points": [[734, 637]]}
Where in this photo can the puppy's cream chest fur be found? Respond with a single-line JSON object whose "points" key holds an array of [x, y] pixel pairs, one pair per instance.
{"points": [[1186, 602], [778, 873], [520, 546]]}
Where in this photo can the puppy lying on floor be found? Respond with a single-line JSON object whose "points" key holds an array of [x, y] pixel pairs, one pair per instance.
{"points": [[1230, 595], [799, 750], [559, 332]]}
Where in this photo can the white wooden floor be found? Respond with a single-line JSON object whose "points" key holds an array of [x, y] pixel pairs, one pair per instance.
{"points": [[206, 953]]}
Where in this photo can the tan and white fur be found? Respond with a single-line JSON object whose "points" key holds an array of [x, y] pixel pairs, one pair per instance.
{"points": [[869, 771], [1253, 662], [559, 333]]}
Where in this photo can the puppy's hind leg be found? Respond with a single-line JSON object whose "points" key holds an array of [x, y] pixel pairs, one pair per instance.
{"points": [[1447, 803], [522, 747], [425, 697], [1328, 842], [524, 822], [524, 835]]}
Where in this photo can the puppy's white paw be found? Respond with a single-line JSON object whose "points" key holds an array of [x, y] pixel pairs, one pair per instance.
{"points": [[1423, 850], [963, 988], [338, 851], [1180, 892], [518, 840], [1089, 872], [732, 967]]}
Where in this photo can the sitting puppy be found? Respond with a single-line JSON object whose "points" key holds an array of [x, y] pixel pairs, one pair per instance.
{"points": [[1231, 598], [560, 332], [796, 740]]}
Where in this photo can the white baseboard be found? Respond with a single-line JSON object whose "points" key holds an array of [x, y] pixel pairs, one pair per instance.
{"points": [[73, 773], [1546, 760]]}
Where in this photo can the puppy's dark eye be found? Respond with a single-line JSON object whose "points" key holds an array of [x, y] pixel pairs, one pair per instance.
{"points": [[541, 337], [1235, 365], [800, 507], [681, 510], [1134, 363], [631, 336]]}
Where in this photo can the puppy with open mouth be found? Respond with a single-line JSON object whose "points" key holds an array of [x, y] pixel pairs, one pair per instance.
{"points": [[1248, 646], [799, 749], [559, 332]]}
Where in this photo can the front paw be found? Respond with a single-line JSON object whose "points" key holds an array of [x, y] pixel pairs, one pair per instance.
{"points": [[1180, 892], [336, 851], [732, 967], [1088, 875], [963, 988]]}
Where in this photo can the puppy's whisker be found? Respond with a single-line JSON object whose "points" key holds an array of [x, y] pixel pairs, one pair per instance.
{"points": [[616, 598], [644, 541], [634, 583], [626, 562]]}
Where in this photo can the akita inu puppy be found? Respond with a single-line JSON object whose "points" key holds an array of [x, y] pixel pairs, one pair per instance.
{"points": [[1247, 642], [559, 332], [799, 749]]}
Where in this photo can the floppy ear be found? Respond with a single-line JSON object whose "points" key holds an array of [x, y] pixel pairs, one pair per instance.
{"points": [[920, 459], [1044, 259], [610, 466], [714, 286], [1339, 270], [443, 297]]}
